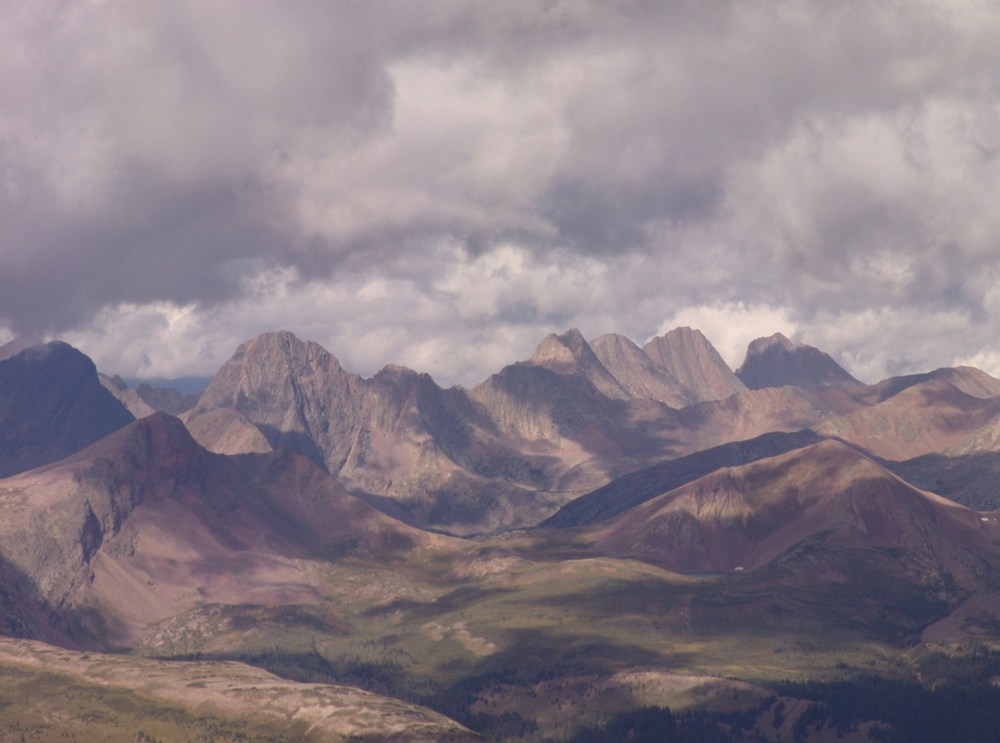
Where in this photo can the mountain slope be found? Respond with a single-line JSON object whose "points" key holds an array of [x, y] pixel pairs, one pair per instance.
{"points": [[638, 487], [638, 373], [145, 523], [690, 359], [569, 353], [828, 495], [925, 417], [52, 404]]}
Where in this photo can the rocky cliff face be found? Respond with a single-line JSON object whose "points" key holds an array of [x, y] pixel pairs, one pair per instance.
{"points": [[52, 404], [689, 357], [570, 353], [636, 372], [776, 361]]}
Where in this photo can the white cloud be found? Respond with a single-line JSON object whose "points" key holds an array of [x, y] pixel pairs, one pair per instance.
{"points": [[440, 184]]}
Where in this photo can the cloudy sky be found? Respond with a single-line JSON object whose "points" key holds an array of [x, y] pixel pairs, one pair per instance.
{"points": [[443, 183]]}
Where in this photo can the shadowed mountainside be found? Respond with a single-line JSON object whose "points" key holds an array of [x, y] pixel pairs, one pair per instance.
{"points": [[776, 361], [52, 404]]}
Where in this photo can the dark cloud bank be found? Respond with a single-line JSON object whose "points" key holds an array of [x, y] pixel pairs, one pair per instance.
{"points": [[442, 183]]}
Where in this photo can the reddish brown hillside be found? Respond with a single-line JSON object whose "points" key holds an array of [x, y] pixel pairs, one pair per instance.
{"points": [[746, 517], [926, 417], [145, 523]]}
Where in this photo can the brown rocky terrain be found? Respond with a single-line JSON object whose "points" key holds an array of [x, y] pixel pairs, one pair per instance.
{"points": [[512, 449], [692, 360], [127, 396], [928, 416]]}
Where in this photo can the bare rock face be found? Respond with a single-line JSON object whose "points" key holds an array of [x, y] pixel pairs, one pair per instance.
{"points": [[395, 435], [693, 361], [52, 404], [638, 373], [776, 361], [570, 353], [295, 392]]}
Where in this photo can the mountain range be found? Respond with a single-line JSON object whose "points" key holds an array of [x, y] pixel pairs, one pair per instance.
{"points": [[596, 529]]}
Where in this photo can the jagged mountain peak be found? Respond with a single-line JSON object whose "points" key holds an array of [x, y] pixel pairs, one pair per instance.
{"points": [[569, 353], [283, 343], [775, 362], [561, 353], [694, 362], [639, 374]]}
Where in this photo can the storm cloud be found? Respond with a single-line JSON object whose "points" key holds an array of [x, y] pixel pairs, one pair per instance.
{"points": [[442, 183]]}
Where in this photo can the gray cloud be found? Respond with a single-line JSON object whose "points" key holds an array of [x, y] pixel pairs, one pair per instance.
{"points": [[447, 181]]}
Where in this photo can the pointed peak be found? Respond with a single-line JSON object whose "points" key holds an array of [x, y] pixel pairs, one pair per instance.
{"points": [[572, 338], [277, 339], [398, 373], [686, 333], [692, 359], [561, 353]]}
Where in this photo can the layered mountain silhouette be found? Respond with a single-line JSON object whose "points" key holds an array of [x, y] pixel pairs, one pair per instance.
{"points": [[510, 450], [626, 508]]}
